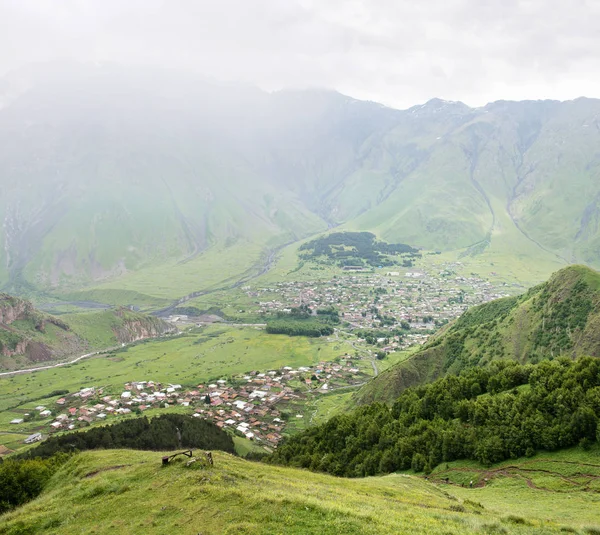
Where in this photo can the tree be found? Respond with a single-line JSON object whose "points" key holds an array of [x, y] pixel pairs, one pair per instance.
{"points": [[418, 462]]}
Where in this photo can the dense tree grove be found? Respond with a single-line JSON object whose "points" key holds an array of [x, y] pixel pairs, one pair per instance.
{"points": [[502, 411], [355, 248], [293, 327], [159, 434], [299, 321], [23, 480], [330, 313]]}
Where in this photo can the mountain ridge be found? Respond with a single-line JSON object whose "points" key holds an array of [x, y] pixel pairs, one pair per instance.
{"points": [[29, 336], [156, 169], [556, 318]]}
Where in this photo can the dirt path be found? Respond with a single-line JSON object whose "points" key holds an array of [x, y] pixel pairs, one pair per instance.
{"points": [[519, 472]]}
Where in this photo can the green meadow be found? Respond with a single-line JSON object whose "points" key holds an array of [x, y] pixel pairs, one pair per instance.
{"points": [[559, 486], [190, 358], [236, 496], [158, 285]]}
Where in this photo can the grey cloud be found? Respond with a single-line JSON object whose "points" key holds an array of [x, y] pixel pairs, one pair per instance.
{"points": [[397, 52]]}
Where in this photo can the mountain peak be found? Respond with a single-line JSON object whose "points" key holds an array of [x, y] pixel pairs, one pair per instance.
{"points": [[438, 105]]}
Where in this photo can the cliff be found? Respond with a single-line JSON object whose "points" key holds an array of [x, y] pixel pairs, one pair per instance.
{"points": [[29, 336]]}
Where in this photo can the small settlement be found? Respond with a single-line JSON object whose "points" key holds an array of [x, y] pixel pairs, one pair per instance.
{"points": [[256, 405], [420, 298]]}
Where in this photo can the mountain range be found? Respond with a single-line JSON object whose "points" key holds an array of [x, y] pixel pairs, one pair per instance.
{"points": [[107, 172]]}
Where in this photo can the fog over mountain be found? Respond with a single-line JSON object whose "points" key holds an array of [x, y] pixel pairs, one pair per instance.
{"points": [[397, 53], [108, 169], [142, 134]]}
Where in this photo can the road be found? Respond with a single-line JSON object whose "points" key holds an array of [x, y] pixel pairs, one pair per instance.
{"points": [[368, 355], [60, 364], [49, 367]]}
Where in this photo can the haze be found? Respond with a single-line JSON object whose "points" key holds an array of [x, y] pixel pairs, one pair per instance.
{"points": [[397, 53]]}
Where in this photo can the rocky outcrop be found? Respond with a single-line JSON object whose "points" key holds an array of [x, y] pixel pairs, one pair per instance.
{"points": [[40, 337], [137, 326], [13, 309], [31, 342], [20, 348]]}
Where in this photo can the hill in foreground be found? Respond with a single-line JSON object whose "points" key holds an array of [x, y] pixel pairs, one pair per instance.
{"points": [[125, 491], [558, 317], [29, 336]]}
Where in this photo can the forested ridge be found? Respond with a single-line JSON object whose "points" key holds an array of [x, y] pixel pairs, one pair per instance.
{"points": [[159, 433], [560, 317], [488, 414]]}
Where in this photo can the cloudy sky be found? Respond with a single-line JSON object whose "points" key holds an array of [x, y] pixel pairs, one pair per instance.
{"points": [[397, 52]]}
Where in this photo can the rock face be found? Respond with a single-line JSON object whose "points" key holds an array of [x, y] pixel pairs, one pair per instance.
{"points": [[40, 337], [13, 309], [139, 327], [19, 349]]}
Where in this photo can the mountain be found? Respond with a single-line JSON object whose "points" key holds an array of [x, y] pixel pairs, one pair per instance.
{"points": [[29, 336], [560, 317], [119, 177]]}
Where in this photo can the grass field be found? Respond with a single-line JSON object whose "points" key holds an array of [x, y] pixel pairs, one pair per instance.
{"points": [[560, 486], [328, 405], [191, 358], [236, 496], [158, 285]]}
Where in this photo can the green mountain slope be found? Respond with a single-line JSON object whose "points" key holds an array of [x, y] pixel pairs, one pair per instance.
{"points": [[237, 496], [29, 336], [492, 414], [558, 317], [119, 178]]}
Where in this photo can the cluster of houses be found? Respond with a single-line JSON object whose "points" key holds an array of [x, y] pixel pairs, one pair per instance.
{"points": [[420, 298], [254, 405]]}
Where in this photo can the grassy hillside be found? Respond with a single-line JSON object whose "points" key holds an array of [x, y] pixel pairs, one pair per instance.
{"points": [[558, 317], [565, 482], [236, 496]]}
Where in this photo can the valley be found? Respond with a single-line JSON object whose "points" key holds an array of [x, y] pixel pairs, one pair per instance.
{"points": [[388, 318], [385, 315], [219, 363]]}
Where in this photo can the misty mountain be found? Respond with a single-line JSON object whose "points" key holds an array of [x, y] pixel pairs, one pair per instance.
{"points": [[107, 170]]}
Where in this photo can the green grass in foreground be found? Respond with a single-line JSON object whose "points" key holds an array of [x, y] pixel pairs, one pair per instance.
{"points": [[123, 491], [562, 485]]}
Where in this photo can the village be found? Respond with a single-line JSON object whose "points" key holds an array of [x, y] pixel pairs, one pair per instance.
{"points": [[419, 300], [257, 406], [391, 310]]}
